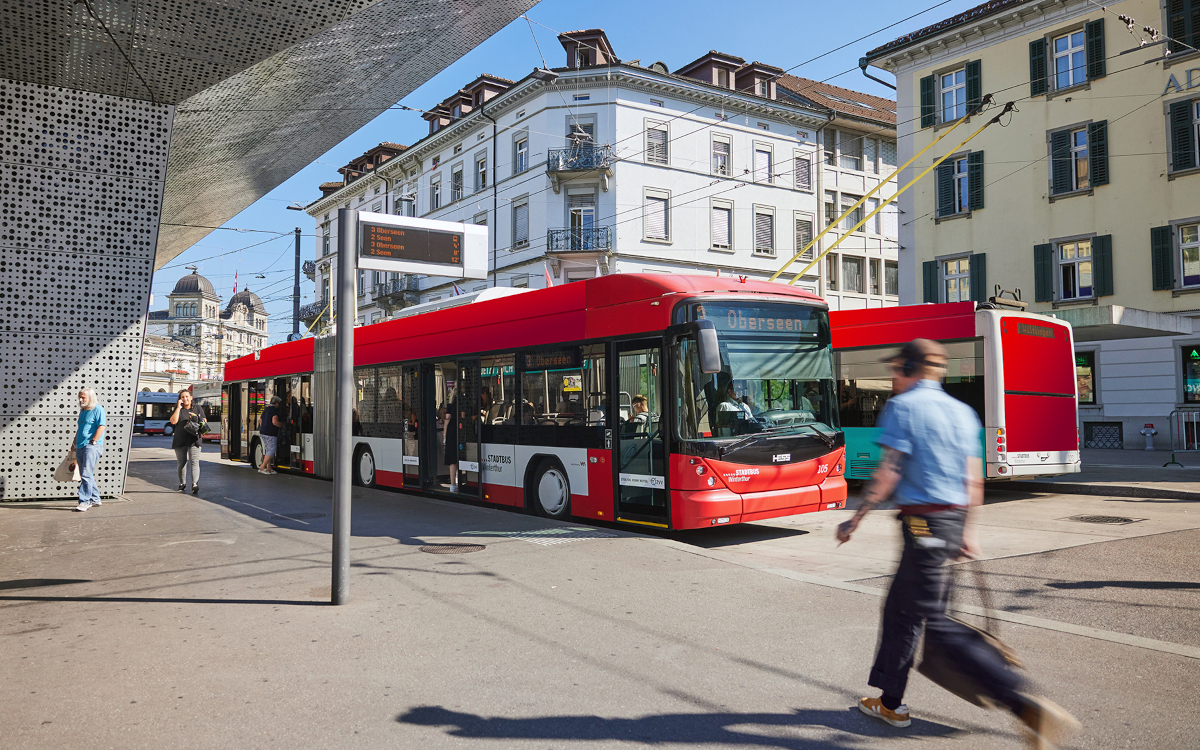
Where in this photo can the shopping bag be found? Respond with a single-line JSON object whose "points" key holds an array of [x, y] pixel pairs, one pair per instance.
{"points": [[950, 666], [68, 470]]}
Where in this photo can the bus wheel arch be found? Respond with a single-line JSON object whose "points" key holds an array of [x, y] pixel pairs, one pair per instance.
{"points": [[168, 429], [548, 488], [365, 472]]}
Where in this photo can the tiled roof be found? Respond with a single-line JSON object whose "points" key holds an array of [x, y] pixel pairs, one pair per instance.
{"points": [[582, 31], [843, 101], [979, 11], [389, 144], [331, 185]]}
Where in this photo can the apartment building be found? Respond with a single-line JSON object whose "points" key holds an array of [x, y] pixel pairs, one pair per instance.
{"points": [[605, 166], [1086, 199]]}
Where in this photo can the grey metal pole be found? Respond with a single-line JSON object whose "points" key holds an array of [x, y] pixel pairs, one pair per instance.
{"points": [[296, 291], [345, 304]]}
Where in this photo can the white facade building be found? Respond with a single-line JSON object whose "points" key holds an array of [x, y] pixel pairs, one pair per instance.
{"points": [[614, 167]]}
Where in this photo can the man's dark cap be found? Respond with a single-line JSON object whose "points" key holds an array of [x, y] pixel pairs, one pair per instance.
{"points": [[921, 351]]}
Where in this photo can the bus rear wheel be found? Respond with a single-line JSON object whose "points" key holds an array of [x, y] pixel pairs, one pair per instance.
{"points": [[256, 451], [169, 430], [551, 491], [364, 467]]}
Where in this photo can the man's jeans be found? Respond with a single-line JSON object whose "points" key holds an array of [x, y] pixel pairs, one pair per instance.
{"points": [[87, 457], [918, 594]]}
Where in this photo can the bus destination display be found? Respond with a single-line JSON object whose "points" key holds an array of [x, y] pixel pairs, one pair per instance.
{"points": [[411, 244]]}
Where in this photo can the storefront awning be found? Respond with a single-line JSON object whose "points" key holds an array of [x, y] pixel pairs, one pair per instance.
{"points": [[1107, 322]]}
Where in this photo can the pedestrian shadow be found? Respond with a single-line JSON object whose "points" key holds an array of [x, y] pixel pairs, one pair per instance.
{"points": [[725, 728], [1124, 585], [159, 600]]}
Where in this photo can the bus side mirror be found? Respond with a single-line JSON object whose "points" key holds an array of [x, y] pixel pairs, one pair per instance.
{"points": [[707, 344]]}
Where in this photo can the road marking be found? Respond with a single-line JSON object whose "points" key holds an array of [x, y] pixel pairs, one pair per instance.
{"points": [[193, 541], [1166, 647]]}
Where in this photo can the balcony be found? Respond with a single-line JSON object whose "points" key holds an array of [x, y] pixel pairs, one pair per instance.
{"points": [[580, 159], [312, 311], [396, 294], [310, 270], [594, 240]]}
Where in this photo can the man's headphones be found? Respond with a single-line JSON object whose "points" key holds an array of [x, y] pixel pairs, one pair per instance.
{"points": [[910, 366]]}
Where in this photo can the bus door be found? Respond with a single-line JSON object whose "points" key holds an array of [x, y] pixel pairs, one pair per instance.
{"points": [[467, 413], [304, 410], [287, 451], [231, 433], [410, 394], [639, 452]]}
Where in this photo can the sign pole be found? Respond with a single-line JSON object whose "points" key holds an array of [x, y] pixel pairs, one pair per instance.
{"points": [[346, 313]]}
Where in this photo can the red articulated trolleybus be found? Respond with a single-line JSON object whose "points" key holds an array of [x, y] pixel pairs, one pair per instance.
{"points": [[667, 401], [1016, 369]]}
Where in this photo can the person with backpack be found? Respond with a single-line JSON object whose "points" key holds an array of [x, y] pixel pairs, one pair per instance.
{"points": [[190, 425]]}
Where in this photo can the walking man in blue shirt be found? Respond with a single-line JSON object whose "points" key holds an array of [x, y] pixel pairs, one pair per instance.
{"points": [[932, 468], [89, 444]]}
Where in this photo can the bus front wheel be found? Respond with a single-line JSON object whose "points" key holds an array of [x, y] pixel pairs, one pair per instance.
{"points": [[169, 429], [256, 451], [552, 491], [364, 467]]}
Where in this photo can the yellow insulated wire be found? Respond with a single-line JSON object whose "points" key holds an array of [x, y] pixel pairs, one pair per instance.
{"points": [[1007, 108], [874, 190]]}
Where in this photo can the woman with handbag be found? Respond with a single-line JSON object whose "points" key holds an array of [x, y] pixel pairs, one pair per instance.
{"points": [[190, 424], [88, 445]]}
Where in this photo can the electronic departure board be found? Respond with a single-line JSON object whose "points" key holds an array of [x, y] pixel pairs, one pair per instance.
{"points": [[406, 244]]}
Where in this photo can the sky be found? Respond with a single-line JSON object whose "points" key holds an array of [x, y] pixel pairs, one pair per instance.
{"points": [[780, 33]]}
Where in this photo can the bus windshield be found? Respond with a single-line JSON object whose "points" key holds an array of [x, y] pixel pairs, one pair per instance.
{"points": [[776, 375]]}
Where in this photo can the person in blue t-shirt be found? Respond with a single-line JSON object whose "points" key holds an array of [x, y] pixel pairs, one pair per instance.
{"points": [[932, 469], [88, 445]]}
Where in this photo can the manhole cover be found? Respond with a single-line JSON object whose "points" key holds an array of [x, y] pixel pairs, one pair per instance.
{"points": [[451, 549], [298, 517], [1104, 519]]}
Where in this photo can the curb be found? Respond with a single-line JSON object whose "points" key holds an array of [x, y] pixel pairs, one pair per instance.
{"points": [[1117, 490]]}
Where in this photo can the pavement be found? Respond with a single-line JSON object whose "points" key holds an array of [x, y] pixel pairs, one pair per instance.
{"points": [[167, 620], [1127, 473]]}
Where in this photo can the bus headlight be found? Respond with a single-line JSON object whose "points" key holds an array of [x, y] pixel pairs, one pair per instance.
{"points": [[701, 470], [712, 482]]}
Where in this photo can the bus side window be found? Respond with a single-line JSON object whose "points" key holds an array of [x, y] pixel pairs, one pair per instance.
{"points": [[389, 411], [498, 405]]}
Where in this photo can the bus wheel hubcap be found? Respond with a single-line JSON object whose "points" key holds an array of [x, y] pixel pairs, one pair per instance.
{"points": [[552, 491], [366, 468]]}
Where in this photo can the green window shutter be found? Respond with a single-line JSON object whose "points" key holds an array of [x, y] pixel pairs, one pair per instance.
{"points": [[978, 267], [1161, 262], [974, 85], [975, 181], [1060, 162], [1102, 268], [1037, 67], [1183, 144], [929, 275], [1043, 273], [928, 101], [945, 188], [1178, 26], [1094, 41], [1098, 152]]}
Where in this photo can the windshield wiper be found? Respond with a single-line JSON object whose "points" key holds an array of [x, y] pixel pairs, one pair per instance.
{"points": [[827, 438], [824, 437]]}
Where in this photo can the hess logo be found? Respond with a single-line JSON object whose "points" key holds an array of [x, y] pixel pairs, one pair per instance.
{"points": [[781, 457]]}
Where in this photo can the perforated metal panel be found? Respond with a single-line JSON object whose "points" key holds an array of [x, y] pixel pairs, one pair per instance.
{"points": [[80, 196]]}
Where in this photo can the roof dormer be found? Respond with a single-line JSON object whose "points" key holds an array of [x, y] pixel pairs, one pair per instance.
{"points": [[758, 79], [716, 68], [438, 117], [586, 48], [485, 88]]}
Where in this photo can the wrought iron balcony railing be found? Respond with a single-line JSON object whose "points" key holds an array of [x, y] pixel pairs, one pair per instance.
{"points": [[310, 269], [582, 158], [579, 240], [393, 287]]}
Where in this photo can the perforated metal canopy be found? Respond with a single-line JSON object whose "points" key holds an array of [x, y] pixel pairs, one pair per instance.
{"points": [[262, 87]]}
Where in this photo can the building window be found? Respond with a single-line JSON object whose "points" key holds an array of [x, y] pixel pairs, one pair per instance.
{"points": [[870, 155], [802, 172], [582, 97], [763, 126], [521, 224], [872, 225], [831, 212], [852, 274], [853, 217], [435, 195], [1079, 160], [956, 280], [831, 148], [1075, 269], [723, 78], [1191, 375], [520, 155], [656, 143], [851, 147], [721, 152], [583, 58], [325, 242], [953, 95], [762, 165], [657, 215], [1184, 125], [874, 278], [831, 272], [1070, 65], [891, 278], [764, 87], [656, 102], [456, 184], [521, 281], [722, 225], [1085, 376], [764, 231], [1189, 251], [481, 182], [377, 207], [804, 235]]}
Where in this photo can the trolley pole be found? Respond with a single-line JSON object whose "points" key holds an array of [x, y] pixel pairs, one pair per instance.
{"points": [[345, 305]]}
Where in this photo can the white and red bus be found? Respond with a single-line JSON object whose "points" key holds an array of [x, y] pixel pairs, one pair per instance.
{"points": [[1016, 369], [668, 401]]}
